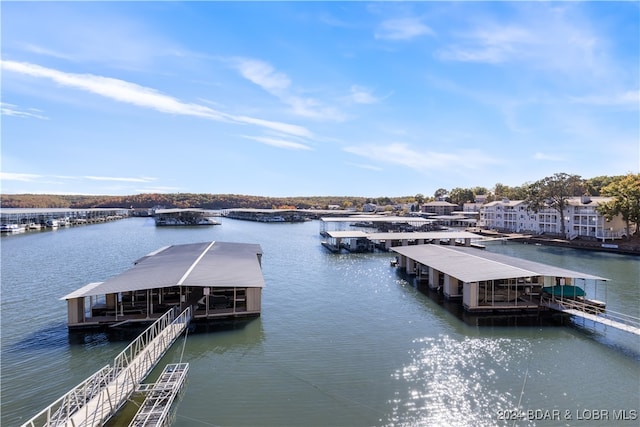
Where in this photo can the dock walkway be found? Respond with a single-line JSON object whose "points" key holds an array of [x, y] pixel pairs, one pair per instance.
{"points": [[587, 311], [160, 396], [604, 320], [99, 397]]}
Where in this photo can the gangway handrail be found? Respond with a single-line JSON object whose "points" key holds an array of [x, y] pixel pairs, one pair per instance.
{"points": [[622, 318], [124, 358], [122, 377], [74, 399], [586, 307]]}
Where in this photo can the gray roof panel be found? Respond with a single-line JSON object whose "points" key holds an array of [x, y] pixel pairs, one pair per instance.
{"points": [[473, 265], [207, 264]]}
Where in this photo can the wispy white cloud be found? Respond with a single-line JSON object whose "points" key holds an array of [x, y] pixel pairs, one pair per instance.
{"points": [[313, 109], [15, 111], [543, 37], [33, 48], [279, 85], [99, 34], [277, 126], [629, 98], [141, 96], [263, 74], [402, 29], [421, 160], [365, 166], [24, 177], [59, 179], [119, 179], [362, 95], [547, 157], [494, 44], [280, 143]]}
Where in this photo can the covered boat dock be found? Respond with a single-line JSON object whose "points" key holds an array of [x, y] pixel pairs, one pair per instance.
{"points": [[215, 279], [491, 282], [361, 241], [188, 216], [380, 223]]}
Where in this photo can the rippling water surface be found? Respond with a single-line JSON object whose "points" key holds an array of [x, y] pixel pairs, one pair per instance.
{"points": [[344, 340]]}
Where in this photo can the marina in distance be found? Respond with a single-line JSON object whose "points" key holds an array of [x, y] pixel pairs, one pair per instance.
{"points": [[344, 339]]}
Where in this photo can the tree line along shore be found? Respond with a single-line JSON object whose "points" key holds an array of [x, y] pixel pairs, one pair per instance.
{"points": [[593, 186]]}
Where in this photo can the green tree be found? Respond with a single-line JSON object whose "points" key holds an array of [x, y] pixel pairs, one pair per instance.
{"points": [[440, 192], [419, 198], [594, 186], [460, 196], [626, 201], [477, 191], [554, 192], [501, 191]]}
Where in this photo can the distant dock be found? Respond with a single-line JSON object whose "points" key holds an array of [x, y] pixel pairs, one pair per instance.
{"points": [[35, 219]]}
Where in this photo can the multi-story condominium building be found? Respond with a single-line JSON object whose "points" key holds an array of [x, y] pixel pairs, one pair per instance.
{"points": [[580, 217], [439, 207]]}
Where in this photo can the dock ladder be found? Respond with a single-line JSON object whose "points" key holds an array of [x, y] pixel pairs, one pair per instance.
{"points": [[99, 397]]}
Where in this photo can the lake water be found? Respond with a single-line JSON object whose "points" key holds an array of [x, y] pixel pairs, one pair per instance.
{"points": [[343, 340]]}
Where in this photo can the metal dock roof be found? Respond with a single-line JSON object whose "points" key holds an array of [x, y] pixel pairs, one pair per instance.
{"points": [[377, 218], [207, 264], [409, 235], [473, 265]]}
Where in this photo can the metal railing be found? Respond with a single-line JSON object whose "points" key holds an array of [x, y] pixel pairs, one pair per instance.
{"points": [[98, 397], [59, 411], [156, 407], [598, 311], [625, 319]]}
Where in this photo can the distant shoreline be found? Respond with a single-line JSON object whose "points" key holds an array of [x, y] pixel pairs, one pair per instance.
{"points": [[620, 246]]}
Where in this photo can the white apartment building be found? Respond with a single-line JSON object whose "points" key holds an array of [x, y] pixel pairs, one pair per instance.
{"points": [[580, 217]]}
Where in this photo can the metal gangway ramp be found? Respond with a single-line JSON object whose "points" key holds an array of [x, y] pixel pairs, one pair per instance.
{"points": [[99, 397], [585, 310], [160, 396]]}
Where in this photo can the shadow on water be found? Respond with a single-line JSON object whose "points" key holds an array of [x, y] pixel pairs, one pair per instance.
{"points": [[610, 337], [54, 336], [59, 336], [220, 325]]}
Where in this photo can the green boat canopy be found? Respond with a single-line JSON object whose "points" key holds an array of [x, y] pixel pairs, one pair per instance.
{"points": [[564, 291]]}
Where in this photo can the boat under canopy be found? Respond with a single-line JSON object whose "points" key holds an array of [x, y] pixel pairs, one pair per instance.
{"points": [[564, 291]]}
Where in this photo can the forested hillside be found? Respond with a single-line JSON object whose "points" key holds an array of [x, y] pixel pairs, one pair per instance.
{"points": [[184, 200]]}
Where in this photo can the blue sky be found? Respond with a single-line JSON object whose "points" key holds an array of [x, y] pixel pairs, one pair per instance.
{"points": [[315, 98]]}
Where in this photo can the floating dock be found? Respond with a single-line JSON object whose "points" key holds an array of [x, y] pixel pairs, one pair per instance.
{"points": [[156, 408], [494, 283]]}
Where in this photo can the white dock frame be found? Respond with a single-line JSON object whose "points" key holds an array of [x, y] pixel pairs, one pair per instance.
{"points": [[156, 408], [584, 310], [99, 397]]}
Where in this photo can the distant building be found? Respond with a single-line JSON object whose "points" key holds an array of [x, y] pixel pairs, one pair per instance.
{"points": [[369, 207], [475, 206], [581, 218], [439, 207]]}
